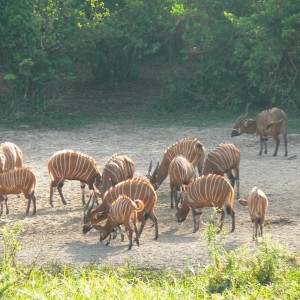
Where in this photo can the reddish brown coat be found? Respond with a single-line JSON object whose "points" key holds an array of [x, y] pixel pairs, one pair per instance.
{"points": [[207, 191], [19, 180], [72, 165], [135, 188], [257, 203]]}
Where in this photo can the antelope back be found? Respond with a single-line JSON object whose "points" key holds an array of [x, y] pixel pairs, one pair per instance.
{"points": [[181, 170], [257, 203], [222, 159], [18, 180], [123, 209], [72, 165], [209, 190], [118, 169], [272, 116], [16, 153], [190, 148]]}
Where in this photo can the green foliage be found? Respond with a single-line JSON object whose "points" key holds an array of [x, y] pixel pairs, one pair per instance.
{"points": [[218, 54], [244, 273]]}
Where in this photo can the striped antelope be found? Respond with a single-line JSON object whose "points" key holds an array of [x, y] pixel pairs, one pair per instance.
{"points": [[122, 211], [72, 165], [135, 188], [207, 191], [118, 169], [181, 172], [190, 148], [271, 122], [257, 204], [19, 180], [224, 159], [11, 156]]}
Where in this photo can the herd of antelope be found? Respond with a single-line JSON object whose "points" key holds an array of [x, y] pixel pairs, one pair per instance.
{"points": [[127, 200]]}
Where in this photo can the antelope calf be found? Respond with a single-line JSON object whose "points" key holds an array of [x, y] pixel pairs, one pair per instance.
{"points": [[225, 159], [271, 122], [257, 204], [181, 172], [207, 191], [119, 168], [191, 148], [123, 211], [72, 165], [20, 180]]}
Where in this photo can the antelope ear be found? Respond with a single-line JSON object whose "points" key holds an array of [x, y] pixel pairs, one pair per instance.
{"points": [[243, 202]]}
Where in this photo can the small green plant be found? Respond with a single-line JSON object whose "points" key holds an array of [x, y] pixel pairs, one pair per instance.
{"points": [[11, 234]]}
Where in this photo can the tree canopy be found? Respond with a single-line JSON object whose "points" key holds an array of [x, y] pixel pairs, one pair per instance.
{"points": [[219, 53]]}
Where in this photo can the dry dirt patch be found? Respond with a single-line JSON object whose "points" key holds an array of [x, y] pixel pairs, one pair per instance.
{"points": [[55, 234]]}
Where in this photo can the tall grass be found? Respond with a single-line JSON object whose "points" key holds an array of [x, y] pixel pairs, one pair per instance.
{"points": [[269, 272]]}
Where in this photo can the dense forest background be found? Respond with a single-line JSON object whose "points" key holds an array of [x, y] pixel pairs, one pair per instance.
{"points": [[212, 54]]}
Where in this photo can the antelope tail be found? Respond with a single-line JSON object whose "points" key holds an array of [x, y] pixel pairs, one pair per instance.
{"points": [[138, 205], [229, 203]]}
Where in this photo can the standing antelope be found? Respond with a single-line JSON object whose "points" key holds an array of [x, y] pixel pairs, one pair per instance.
{"points": [[257, 204], [72, 165], [122, 211], [118, 169], [19, 180], [192, 149], [207, 191], [224, 159], [271, 122], [135, 188], [181, 172], [11, 156]]}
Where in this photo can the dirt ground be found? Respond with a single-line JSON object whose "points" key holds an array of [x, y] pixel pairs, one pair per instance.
{"points": [[55, 234]]}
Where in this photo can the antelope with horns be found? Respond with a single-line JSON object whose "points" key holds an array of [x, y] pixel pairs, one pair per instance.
{"points": [[224, 159], [119, 168], [192, 149], [207, 191], [19, 180], [123, 211], [181, 172], [135, 188], [72, 165], [11, 156], [257, 204], [271, 122]]}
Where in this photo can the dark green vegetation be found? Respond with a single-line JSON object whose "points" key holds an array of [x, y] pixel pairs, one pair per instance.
{"points": [[72, 61], [265, 273]]}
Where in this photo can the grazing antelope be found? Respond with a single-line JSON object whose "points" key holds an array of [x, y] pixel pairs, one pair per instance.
{"points": [[11, 156], [118, 169], [271, 122], [181, 172], [72, 165], [207, 191], [123, 211], [135, 188], [192, 149], [257, 204], [224, 159], [19, 180]]}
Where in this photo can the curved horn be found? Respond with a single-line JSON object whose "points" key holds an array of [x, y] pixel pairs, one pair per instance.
{"points": [[244, 115], [150, 167], [156, 168], [87, 207]]}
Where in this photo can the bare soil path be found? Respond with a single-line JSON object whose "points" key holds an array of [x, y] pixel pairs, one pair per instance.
{"points": [[55, 234]]}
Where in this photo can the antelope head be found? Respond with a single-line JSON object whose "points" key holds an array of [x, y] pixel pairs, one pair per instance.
{"points": [[240, 125], [87, 213], [153, 177]]}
